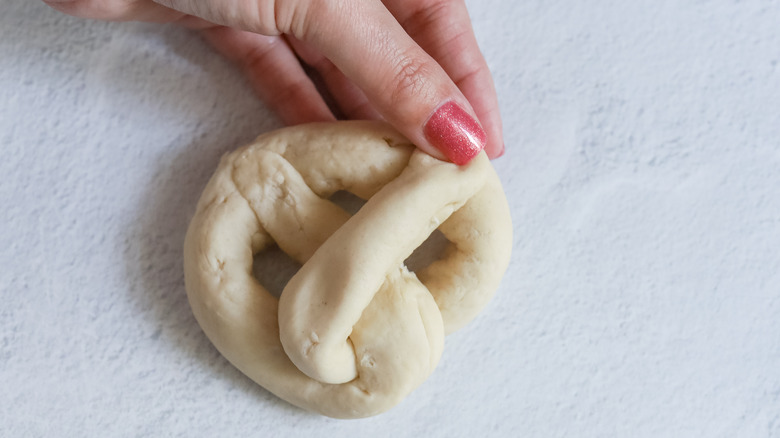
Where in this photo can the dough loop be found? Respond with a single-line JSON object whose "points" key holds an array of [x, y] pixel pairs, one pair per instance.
{"points": [[354, 331]]}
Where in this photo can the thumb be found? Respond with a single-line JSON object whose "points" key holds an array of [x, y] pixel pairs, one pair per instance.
{"points": [[363, 39]]}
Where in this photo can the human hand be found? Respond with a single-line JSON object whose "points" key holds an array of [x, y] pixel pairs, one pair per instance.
{"points": [[413, 63]]}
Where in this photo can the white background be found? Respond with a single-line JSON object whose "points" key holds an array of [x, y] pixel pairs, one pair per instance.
{"points": [[643, 173]]}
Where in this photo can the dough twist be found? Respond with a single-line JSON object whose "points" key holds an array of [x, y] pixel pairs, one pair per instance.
{"points": [[354, 331]]}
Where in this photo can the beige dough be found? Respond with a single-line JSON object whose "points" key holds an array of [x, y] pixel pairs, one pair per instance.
{"points": [[354, 331]]}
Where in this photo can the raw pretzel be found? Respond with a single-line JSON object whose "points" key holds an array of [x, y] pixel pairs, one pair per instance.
{"points": [[355, 331]]}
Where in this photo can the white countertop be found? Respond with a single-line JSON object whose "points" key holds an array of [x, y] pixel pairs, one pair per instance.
{"points": [[643, 173]]}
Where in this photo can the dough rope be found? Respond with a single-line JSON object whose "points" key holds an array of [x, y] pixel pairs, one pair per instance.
{"points": [[354, 332]]}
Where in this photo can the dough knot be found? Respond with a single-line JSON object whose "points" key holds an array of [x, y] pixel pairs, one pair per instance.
{"points": [[354, 331]]}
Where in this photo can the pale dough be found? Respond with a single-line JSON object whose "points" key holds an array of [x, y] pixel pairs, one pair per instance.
{"points": [[354, 331]]}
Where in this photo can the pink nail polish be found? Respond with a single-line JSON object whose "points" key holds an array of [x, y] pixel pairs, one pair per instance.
{"points": [[455, 133]]}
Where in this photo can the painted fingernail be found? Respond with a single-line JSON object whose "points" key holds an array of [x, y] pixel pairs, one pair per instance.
{"points": [[455, 133]]}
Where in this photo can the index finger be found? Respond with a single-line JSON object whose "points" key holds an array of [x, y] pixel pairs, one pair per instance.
{"points": [[443, 29]]}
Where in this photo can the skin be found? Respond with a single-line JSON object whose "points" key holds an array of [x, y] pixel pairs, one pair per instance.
{"points": [[396, 60]]}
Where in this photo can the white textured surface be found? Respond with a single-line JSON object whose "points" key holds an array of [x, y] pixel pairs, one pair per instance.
{"points": [[643, 170]]}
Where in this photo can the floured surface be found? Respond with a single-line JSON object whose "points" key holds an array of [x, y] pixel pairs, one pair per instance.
{"points": [[643, 297]]}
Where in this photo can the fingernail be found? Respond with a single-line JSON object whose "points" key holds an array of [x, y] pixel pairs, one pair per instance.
{"points": [[455, 133]]}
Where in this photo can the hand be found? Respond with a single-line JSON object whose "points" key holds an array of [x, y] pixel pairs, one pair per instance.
{"points": [[414, 63]]}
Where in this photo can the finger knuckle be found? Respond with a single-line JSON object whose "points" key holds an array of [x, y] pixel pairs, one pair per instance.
{"points": [[256, 59], [299, 18], [426, 13], [410, 79]]}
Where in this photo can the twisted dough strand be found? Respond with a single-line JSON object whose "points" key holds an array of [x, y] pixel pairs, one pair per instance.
{"points": [[355, 332]]}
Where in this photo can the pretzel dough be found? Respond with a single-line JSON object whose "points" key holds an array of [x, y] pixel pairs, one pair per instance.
{"points": [[354, 331]]}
